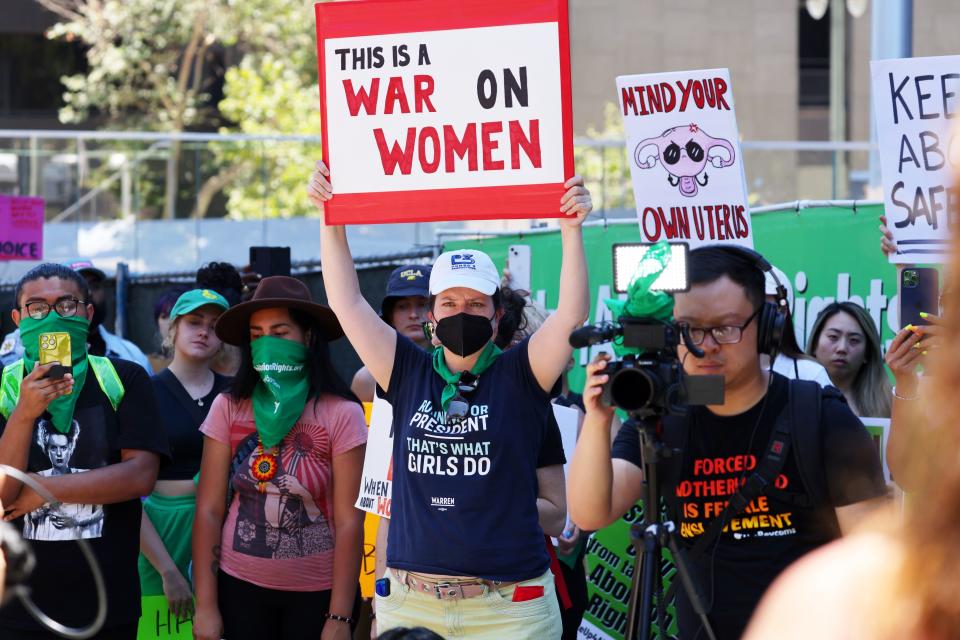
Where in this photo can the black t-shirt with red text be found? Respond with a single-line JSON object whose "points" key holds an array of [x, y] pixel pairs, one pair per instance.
{"points": [[773, 531]]}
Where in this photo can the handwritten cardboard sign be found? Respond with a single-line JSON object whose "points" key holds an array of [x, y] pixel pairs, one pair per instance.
{"points": [[21, 228], [915, 103], [685, 159], [157, 623], [376, 484], [431, 113]]}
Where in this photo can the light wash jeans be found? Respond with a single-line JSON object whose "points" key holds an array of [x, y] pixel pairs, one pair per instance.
{"points": [[492, 616]]}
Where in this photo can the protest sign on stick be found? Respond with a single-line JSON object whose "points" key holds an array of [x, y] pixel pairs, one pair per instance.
{"points": [[685, 160], [915, 102], [433, 114]]}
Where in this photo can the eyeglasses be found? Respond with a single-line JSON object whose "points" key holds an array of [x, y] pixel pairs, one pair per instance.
{"points": [[459, 407], [65, 308], [729, 334]]}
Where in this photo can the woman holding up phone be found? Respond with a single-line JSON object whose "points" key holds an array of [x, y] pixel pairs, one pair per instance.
{"points": [[907, 357]]}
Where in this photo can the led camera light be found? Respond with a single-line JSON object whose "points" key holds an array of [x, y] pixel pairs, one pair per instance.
{"points": [[629, 263]]}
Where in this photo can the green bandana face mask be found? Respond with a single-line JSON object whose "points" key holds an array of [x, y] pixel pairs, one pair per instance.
{"points": [[487, 356], [281, 394], [61, 409]]}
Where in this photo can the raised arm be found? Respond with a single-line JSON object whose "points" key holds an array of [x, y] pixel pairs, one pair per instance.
{"points": [[373, 339], [550, 349]]}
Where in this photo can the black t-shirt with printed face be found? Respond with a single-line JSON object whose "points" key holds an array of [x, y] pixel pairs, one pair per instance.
{"points": [[773, 531], [62, 584]]}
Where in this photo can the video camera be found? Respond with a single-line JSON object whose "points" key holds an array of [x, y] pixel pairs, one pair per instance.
{"points": [[653, 382]]}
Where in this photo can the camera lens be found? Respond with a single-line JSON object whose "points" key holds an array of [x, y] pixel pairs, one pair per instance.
{"points": [[632, 389]]}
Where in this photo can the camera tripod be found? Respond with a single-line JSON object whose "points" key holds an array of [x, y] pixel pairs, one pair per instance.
{"points": [[649, 539]]}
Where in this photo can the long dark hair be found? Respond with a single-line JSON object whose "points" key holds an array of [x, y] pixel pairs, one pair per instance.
{"points": [[323, 377], [513, 320], [871, 387]]}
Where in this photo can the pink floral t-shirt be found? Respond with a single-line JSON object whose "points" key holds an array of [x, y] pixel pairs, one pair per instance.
{"points": [[283, 538]]}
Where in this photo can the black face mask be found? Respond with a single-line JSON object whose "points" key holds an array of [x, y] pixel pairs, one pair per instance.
{"points": [[464, 333]]}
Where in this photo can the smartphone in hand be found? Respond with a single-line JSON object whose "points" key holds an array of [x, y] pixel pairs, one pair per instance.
{"points": [[55, 348], [919, 293]]}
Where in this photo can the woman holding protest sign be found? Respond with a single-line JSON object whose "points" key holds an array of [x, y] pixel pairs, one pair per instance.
{"points": [[845, 341], [185, 390], [277, 540], [466, 554]]}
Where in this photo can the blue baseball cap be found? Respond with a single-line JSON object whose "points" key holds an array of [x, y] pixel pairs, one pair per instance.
{"points": [[405, 281]]}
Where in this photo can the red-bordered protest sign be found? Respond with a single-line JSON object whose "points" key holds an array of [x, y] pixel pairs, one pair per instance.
{"points": [[433, 110]]}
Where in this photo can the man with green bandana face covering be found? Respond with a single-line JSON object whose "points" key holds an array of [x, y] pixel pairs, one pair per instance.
{"points": [[101, 341], [105, 408]]}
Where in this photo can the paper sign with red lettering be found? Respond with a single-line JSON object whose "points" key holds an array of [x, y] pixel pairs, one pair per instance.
{"points": [[21, 228], [685, 160], [376, 482], [915, 103], [433, 110]]}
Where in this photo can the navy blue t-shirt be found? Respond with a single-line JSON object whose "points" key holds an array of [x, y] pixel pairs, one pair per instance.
{"points": [[465, 496]]}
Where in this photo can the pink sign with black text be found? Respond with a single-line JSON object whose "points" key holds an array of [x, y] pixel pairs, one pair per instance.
{"points": [[21, 228]]}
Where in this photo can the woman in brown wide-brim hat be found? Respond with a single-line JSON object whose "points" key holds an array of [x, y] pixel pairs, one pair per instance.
{"points": [[283, 538]]}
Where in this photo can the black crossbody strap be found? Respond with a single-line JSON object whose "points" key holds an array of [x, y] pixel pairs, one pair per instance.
{"points": [[763, 477], [769, 467], [244, 449]]}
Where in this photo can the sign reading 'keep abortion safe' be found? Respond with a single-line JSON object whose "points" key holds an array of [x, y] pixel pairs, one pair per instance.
{"points": [[915, 103]]}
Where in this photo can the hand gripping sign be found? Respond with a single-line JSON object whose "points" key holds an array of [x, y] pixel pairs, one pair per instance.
{"points": [[916, 102], [685, 159], [435, 110]]}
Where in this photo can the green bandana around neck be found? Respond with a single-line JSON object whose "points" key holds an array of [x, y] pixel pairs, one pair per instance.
{"points": [[61, 409], [281, 394], [487, 356]]}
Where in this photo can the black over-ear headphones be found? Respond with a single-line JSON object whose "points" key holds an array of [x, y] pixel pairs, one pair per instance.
{"points": [[772, 317]]}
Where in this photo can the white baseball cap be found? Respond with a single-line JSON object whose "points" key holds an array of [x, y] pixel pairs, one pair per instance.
{"points": [[464, 268], [770, 285]]}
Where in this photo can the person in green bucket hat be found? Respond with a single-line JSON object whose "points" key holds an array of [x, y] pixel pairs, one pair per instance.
{"points": [[277, 541], [93, 438], [185, 391]]}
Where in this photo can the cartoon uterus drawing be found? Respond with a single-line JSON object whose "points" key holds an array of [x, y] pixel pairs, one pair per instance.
{"points": [[684, 152]]}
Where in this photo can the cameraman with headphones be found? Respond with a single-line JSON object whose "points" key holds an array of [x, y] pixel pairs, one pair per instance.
{"points": [[778, 469]]}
